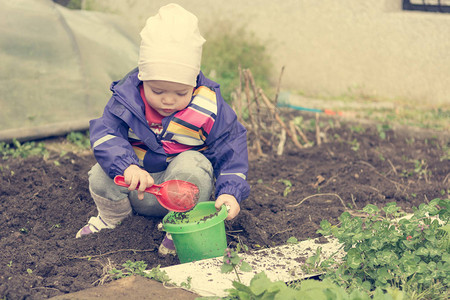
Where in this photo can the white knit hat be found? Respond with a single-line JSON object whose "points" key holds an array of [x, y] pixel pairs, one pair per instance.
{"points": [[171, 46]]}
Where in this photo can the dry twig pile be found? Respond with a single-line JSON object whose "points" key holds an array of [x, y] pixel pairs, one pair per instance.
{"points": [[262, 118]]}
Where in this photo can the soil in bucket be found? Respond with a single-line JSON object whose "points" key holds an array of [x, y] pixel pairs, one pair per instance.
{"points": [[198, 233]]}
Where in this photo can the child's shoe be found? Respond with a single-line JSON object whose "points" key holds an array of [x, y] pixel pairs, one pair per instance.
{"points": [[112, 212], [167, 246], [94, 225]]}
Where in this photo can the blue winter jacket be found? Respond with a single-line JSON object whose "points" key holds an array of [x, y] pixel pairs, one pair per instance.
{"points": [[225, 145]]}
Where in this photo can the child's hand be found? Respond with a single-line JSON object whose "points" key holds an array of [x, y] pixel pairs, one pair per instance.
{"points": [[231, 202], [135, 176]]}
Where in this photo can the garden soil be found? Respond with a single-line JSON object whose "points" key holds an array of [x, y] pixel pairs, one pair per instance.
{"points": [[44, 202]]}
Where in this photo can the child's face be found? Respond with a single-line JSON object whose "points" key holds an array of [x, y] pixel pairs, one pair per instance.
{"points": [[167, 97]]}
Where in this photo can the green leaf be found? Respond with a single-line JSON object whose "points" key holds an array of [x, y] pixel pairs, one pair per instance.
{"points": [[391, 208], [292, 240], [286, 191], [422, 251], [226, 268], [386, 256], [421, 267], [380, 295], [274, 289], [241, 287], [371, 209], [376, 244], [446, 257], [383, 275], [235, 259], [245, 267], [244, 296], [314, 290], [366, 285], [358, 295], [286, 182], [354, 259], [259, 283], [445, 228], [326, 227], [287, 294], [409, 267]]}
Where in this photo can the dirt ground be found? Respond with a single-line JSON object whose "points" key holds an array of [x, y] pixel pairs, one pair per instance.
{"points": [[43, 203]]}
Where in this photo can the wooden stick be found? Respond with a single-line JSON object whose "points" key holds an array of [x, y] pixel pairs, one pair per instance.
{"points": [[294, 132], [278, 119], [318, 140], [259, 117], [280, 148], [239, 96], [278, 86], [392, 166], [302, 135], [253, 84], [259, 151], [446, 179]]}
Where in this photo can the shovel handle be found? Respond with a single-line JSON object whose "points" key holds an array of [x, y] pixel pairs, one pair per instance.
{"points": [[154, 189]]}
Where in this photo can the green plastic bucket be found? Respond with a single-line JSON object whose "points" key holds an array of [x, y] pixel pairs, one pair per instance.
{"points": [[198, 233]]}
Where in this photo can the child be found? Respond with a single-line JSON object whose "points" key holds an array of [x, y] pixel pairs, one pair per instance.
{"points": [[166, 120]]}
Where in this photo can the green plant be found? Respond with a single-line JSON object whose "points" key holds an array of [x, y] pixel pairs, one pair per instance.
{"points": [[79, 139], [382, 128], [229, 47], [292, 240], [231, 261], [139, 268], [288, 186], [17, 149], [406, 173], [241, 247], [313, 263], [421, 169], [410, 141], [261, 287], [446, 151], [187, 284], [56, 226], [354, 145], [357, 128], [385, 250]]}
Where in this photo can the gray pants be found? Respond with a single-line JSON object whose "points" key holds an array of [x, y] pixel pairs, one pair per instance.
{"points": [[190, 166]]}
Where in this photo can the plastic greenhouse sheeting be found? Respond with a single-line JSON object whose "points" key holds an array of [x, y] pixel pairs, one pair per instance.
{"points": [[56, 66]]}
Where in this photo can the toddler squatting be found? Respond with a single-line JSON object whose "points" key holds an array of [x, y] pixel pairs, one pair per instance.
{"points": [[166, 120]]}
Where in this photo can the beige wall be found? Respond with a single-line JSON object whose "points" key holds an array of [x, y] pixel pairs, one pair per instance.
{"points": [[331, 48]]}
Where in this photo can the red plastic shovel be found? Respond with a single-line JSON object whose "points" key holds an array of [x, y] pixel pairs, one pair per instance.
{"points": [[174, 195]]}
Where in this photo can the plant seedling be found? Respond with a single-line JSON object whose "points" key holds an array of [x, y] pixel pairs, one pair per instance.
{"points": [[385, 250], [382, 128], [17, 149], [288, 185], [79, 139], [292, 240], [231, 261], [138, 268]]}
